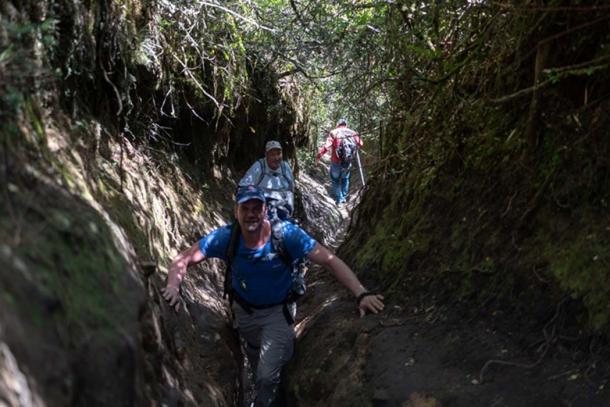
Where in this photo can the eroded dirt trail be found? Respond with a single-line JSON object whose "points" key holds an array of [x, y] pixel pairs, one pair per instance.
{"points": [[418, 352]]}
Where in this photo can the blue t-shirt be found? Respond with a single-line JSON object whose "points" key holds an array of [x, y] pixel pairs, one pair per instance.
{"points": [[260, 276]]}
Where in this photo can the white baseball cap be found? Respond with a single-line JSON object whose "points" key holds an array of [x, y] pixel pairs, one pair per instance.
{"points": [[271, 144]]}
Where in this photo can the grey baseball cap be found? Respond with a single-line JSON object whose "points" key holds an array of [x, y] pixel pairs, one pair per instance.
{"points": [[271, 144]]}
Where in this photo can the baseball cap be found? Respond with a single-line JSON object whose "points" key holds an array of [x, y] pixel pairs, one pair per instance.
{"points": [[247, 193], [271, 144]]}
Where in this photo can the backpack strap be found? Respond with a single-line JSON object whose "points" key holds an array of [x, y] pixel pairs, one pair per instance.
{"points": [[230, 255], [261, 163], [297, 267], [285, 175], [277, 240]]}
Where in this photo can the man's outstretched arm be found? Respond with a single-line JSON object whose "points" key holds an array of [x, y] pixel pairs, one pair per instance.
{"points": [[322, 256], [326, 147], [177, 271]]}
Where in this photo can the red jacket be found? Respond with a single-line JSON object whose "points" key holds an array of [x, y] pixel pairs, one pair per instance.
{"points": [[334, 139]]}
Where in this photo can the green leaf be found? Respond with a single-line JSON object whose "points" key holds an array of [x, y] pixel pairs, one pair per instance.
{"points": [[6, 54]]}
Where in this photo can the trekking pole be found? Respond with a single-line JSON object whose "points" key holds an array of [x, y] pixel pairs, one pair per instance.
{"points": [[360, 167]]}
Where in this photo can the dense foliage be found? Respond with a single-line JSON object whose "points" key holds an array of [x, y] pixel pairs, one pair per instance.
{"points": [[494, 178]]}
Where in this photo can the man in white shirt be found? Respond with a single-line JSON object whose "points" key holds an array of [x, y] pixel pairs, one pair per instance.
{"points": [[274, 177]]}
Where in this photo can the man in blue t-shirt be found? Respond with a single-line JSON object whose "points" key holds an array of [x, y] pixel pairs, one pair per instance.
{"points": [[261, 282]]}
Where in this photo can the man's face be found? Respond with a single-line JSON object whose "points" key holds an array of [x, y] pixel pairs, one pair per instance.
{"points": [[250, 215], [274, 158]]}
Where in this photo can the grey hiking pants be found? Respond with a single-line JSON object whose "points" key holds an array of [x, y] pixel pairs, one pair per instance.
{"points": [[269, 342]]}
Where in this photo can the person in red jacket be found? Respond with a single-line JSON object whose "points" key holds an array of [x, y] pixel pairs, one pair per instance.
{"points": [[343, 143]]}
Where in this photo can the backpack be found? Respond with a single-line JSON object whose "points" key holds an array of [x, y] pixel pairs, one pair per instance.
{"points": [[346, 150], [278, 205], [277, 241]]}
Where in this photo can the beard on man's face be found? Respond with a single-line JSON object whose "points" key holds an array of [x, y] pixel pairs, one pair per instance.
{"points": [[250, 215], [274, 159], [251, 225]]}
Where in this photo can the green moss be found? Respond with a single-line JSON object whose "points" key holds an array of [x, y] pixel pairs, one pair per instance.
{"points": [[123, 213], [70, 265], [581, 268], [389, 250]]}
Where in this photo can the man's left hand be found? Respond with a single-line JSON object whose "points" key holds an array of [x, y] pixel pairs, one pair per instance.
{"points": [[172, 296], [371, 303]]}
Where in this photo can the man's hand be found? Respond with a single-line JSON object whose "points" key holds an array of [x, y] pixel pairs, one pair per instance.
{"points": [[171, 294], [177, 271], [371, 303]]}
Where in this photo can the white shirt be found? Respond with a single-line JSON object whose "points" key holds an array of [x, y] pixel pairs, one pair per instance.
{"points": [[275, 184]]}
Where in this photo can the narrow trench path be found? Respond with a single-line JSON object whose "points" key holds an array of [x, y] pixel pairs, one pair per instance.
{"points": [[210, 358], [417, 353], [326, 222], [322, 218]]}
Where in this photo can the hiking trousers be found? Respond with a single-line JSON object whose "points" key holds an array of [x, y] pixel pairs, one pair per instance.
{"points": [[339, 177], [269, 342]]}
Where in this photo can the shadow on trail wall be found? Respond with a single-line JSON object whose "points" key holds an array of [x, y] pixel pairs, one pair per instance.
{"points": [[64, 279]]}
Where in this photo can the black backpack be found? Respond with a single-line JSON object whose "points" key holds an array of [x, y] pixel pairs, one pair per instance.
{"points": [[346, 150]]}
